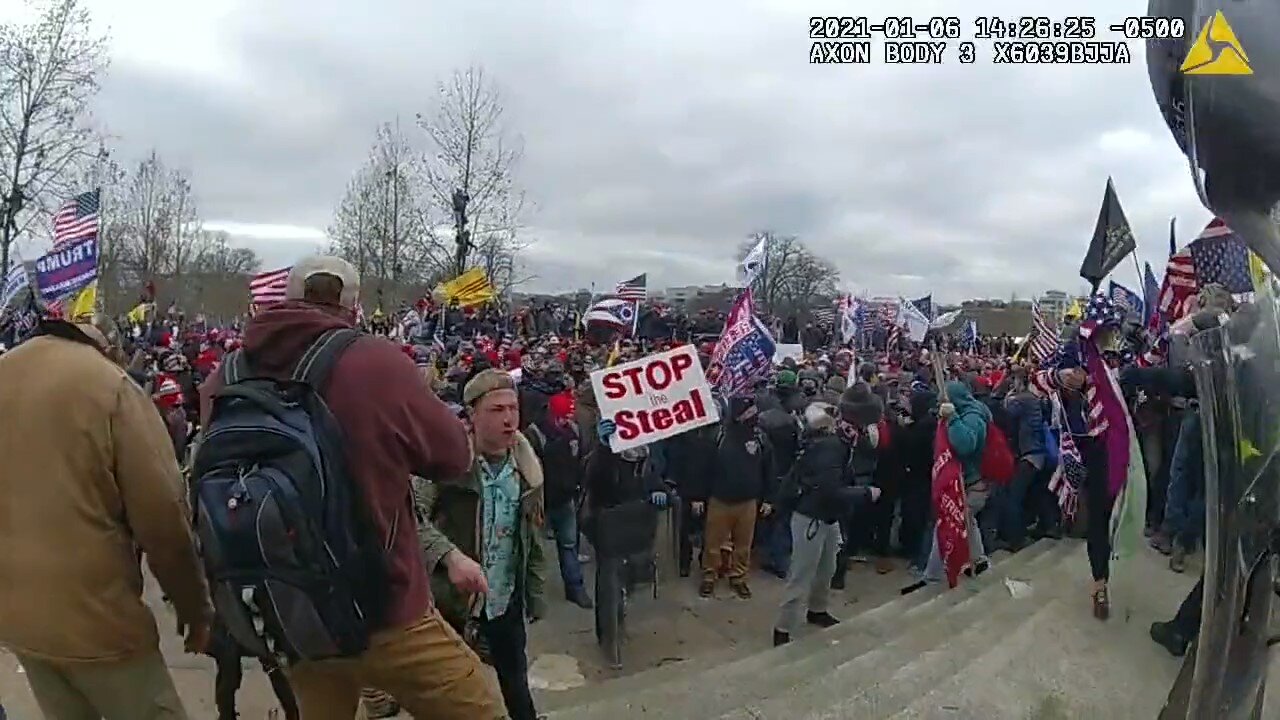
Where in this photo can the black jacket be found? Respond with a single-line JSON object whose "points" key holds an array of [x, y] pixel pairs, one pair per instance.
{"points": [[783, 430], [612, 480], [691, 458], [822, 480], [743, 468], [557, 446]]}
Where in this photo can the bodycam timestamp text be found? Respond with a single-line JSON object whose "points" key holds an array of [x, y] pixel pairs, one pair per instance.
{"points": [[1032, 40]]}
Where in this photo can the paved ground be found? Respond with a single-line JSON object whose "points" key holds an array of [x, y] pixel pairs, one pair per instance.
{"points": [[676, 626]]}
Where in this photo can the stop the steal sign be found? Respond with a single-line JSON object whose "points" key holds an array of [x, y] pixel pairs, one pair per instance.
{"points": [[654, 398]]}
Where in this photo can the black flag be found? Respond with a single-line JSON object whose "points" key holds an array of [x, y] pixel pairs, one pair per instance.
{"points": [[1112, 240]]}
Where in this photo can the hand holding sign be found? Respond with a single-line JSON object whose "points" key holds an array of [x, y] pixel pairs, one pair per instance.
{"points": [[653, 398], [605, 429]]}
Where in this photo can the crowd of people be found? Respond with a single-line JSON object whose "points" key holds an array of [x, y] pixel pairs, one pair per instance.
{"points": [[468, 438]]}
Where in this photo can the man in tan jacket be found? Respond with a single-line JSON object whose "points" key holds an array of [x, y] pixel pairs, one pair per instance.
{"points": [[89, 478]]}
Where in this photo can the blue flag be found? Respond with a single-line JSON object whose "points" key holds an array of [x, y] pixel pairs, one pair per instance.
{"points": [[924, 305], [68, 270], [970, 337], [744, 353], [1127, 301], [1150, 292]]}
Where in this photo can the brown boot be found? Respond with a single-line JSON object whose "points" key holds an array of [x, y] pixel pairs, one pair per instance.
{"points": [[740, 587], [1101, 603], [707, 588]]}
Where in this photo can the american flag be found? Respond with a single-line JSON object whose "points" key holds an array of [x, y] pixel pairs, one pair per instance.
{"points": [[268, 287], [1220, 256], [888, 314], [77, 219], [1128, 301], [824, 316], [867, 318], [1045, 344], [1179, 286], [635, 289]]}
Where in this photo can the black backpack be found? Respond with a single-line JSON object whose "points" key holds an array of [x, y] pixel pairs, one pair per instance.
{"points": [[294, 567]]}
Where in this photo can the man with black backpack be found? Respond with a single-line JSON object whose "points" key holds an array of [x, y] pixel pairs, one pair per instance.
{"points": [[305, 512]]}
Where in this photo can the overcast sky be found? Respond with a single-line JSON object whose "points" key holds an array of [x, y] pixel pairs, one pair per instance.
{"points": [[658, 133]]}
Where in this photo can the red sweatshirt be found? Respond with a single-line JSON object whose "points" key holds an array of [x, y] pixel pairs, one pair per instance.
{"points": [[392, 423]]}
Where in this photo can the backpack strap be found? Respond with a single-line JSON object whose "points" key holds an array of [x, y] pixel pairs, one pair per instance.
{"points": [[235, 367], [317, 362]]}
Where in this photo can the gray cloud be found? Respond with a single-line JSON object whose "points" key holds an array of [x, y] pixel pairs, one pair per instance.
{"points": [[658, 134]]}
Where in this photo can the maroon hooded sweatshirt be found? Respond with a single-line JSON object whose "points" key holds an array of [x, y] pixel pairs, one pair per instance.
{"points": [[392, 424]]}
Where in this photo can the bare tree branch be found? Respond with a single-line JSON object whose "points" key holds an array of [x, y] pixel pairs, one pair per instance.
{"points": [[793, 275], [471, 152], [49, 72]]}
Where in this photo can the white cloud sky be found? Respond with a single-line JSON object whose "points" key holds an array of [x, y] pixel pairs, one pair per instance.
{"points": [[658, 134]]}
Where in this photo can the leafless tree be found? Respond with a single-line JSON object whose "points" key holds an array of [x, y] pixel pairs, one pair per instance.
{"points": [[794, 276], [101, 170], [378, 224], [49, 72], [471, 158], [220, 258], [160, 227]]}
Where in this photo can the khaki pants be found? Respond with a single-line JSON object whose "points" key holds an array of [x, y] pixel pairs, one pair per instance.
{"points": [[139, 689], [728, 523], [426, 667]]}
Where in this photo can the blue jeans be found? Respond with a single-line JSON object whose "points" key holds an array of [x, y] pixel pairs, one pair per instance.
{"points": [[1012, 502], [775, 542], [1184, 505], [563, 521]]}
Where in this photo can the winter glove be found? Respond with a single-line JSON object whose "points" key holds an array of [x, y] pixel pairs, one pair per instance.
{"points": [[946, 410], [658, 499], [605, 430]]}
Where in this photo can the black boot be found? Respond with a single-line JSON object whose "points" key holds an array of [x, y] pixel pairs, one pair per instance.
{"points": [[822, 619], [1168, 637], [578, 596], [780, 638]]}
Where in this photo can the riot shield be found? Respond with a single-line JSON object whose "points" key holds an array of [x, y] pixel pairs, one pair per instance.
{"points": [[1235, 368], [1216, 85]]}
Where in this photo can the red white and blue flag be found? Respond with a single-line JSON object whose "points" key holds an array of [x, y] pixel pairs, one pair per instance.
{"points": [[744, 353], [77, 219], [635, 289], [269, 287]]}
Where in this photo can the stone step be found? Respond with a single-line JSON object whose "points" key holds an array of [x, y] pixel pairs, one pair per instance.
{"points": [[953, 698], [717, 689], [926, 650], [1078, 667]]}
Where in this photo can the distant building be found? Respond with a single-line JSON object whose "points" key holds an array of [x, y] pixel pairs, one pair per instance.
{"points": [[687, 295], [1054, 304]]}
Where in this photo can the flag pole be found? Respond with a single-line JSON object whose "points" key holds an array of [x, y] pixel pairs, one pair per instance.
{"points": [[1137, 268]]}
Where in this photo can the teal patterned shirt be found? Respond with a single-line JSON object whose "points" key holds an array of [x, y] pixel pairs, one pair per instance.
{"points": [[500, 489]]}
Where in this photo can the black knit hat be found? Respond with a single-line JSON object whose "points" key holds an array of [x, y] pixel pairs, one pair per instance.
{"points": [[860, 406]]}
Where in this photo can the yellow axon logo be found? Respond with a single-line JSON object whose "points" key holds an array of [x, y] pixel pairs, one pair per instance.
{"points": [[1216, 51]]}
